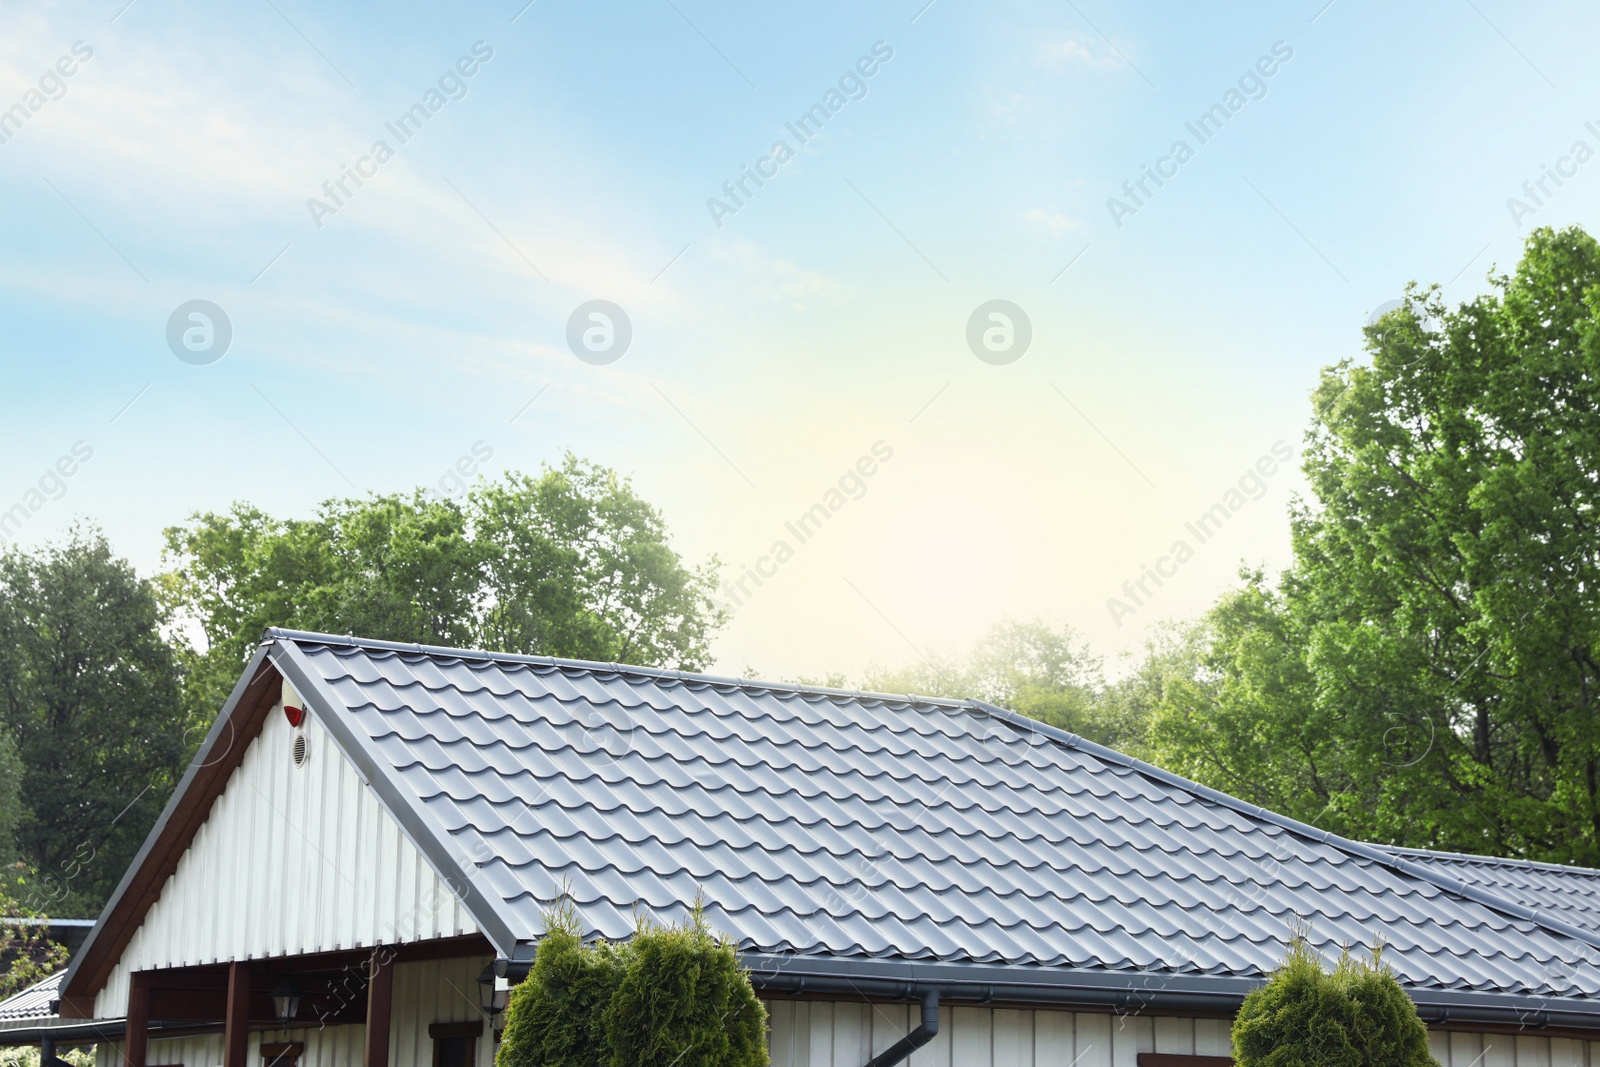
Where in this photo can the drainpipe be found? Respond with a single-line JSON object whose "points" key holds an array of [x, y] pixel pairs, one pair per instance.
{"points": [[923, 1034]]}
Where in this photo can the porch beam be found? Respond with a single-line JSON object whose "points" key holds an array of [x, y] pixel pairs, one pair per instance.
{"points": [[380, 994], [236, 1017], [136, 1038]]}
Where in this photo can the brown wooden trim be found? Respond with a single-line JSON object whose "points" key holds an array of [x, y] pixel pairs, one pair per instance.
{"points": [[444, 948], [1182, 1059], [136, 1038], [236, 1017], [77, 1006], [178, 830], [438, 1031], [380, 998]]}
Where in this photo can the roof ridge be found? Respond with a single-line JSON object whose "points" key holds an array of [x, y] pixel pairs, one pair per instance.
{"points": [[1373, 853], [335, 640], [1498, 861]]}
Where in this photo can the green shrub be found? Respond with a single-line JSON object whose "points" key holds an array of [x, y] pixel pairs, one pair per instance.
{"points": [[671, 995], [684, 998], [1305, 1016], [554, 1018]]}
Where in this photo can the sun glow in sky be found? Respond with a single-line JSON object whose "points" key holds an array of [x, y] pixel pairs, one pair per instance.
{"points": [[798, 209]]}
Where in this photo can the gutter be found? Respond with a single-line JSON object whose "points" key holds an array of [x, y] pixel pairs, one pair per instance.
{"points": [[915, 1039], [1123, 992]]}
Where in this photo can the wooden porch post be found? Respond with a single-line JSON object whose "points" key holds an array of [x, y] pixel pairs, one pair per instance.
{"points": [[380, 989], [136, 1039], [236, 1017]]}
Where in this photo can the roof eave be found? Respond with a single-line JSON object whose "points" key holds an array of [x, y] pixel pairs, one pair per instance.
{"points": [[1123, 992]]}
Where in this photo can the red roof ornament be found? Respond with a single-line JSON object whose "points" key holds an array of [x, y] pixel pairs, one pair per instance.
{"points": [[295, 715]]}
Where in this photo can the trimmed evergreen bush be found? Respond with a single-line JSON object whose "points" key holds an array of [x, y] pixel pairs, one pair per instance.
{"points": [[554, 1018], [671, 995], [1305, 1016], [685, 999]]}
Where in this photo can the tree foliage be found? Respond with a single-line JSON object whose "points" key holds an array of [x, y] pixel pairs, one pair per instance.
{"points": [[570, 563], [91, 696], [670, 994], [27, 954], [1044, 672], [1427, 670], [1357, 1015]]}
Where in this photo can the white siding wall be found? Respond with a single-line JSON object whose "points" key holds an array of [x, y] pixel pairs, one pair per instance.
{"points": [[435, 991], [331, 1046], [824, 1034], [1512, 1050], [291, 860]]}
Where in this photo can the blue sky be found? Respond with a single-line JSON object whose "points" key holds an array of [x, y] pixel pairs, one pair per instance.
{"points": [[773, 351]]}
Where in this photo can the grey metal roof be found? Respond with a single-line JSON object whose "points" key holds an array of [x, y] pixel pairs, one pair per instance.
{"points": [[35, 1001], [1568, 893], [857, 828]]}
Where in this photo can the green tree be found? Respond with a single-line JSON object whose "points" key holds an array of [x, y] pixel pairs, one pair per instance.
{"points": [[91, 695], [27, 955], [1427, 671], [1235, 710], [10, 795], [570, 563], [1044, 672], [1304, 1016], [576, 564]]}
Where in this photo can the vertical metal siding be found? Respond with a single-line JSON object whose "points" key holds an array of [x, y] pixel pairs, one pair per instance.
{"points": [[435, 991], [823, 1034], [290, 860]]}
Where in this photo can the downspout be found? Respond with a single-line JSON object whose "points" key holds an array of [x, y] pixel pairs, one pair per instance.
{"points": [[923, 1034]]}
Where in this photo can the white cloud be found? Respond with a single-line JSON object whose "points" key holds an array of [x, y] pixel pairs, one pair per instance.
{"points": [[1052, 222], [781, 281], [1077, 52]]}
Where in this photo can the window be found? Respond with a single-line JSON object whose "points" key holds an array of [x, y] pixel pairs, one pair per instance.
{"points": [[286, 1054], [455, 1044]]}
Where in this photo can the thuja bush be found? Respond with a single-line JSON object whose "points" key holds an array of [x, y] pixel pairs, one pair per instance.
{"points": [[1356, 1015], [670, 995], [555, 1017]]}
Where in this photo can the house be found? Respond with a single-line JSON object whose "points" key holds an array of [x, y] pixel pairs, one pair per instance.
{"points": [[371, 831]]}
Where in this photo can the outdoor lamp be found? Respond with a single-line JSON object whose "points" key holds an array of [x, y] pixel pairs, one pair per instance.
{"points": [[286, 1001], [490, 996]]}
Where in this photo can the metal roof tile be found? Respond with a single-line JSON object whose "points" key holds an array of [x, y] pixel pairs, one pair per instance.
{"points": [[840, 825]]}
